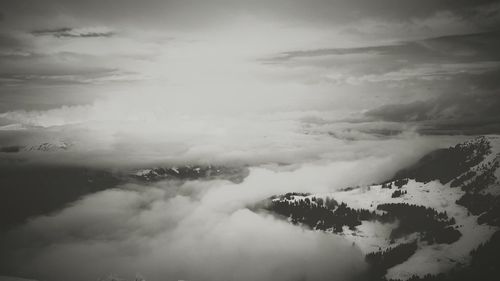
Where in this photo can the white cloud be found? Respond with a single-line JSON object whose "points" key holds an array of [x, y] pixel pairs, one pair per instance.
{"points": [[171, 232]]}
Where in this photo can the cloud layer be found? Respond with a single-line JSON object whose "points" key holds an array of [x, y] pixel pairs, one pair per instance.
{"points": [[173, 231]]}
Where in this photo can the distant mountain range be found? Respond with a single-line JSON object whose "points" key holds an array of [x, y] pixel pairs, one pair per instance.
{"points": [[436, 220], [52, 187], [191, 172], [42, 147]]}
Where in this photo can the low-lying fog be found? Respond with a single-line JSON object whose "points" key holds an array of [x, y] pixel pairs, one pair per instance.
{"points": [[206, 230]]}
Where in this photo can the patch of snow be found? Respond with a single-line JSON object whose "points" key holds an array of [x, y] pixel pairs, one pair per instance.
{"points": [[143, 172], [437, 258], [370, 236]]}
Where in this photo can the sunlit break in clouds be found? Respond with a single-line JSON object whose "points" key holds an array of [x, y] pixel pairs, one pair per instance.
{"points": [[249, 140]]}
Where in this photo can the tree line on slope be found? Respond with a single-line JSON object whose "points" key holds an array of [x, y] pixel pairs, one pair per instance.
{"points": [[484, 265], [328, 214]]}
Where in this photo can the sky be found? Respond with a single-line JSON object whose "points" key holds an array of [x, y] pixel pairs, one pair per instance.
{"points": [[378, 68], [312, 96]]}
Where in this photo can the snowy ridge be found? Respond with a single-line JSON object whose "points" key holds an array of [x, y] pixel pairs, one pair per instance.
{"points": [[47, 146], [373, 234], [38, 147]]}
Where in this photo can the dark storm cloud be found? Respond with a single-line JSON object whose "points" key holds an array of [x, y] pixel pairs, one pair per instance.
{"points": [[452, 48], [188, 13], [407, 73], [79, 77], [71, 32], [59, 76], [471, 110], [454, 80], [478, 125], [380, 50], [56, 68], [414, 111]]}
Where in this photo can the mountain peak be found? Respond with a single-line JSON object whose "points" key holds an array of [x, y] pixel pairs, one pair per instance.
{"points": [[448, 163]]}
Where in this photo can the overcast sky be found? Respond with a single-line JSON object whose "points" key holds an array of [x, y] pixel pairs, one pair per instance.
{"points": [[211, 70]]}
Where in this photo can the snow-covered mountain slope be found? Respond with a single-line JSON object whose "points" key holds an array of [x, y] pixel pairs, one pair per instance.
{"points": [[426, 220]]}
